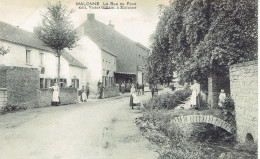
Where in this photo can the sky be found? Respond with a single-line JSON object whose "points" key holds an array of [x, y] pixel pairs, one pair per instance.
{"points": [[137, 24]]}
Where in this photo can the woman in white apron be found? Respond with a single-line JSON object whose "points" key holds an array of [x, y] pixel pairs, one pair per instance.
{"points": [[195, 92], [83, 94], [55, 94]]}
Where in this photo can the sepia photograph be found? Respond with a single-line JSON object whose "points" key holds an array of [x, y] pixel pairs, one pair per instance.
{"points": [[129, 79]]}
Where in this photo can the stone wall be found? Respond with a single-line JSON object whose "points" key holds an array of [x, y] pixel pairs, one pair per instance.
{"points": [[111, 91], [22, 85], [244, 91], [67, 96]]}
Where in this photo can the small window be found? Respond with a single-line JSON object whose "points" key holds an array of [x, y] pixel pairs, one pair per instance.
{"points": [[41, 82], [41, 59], [28, 56]]}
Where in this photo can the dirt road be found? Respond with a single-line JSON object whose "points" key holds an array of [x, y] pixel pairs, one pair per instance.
{"points": [[97, 130]]}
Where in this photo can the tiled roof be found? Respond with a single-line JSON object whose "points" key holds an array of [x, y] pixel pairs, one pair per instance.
{"points": [[107, 37], [71, 60], [17, 35]]}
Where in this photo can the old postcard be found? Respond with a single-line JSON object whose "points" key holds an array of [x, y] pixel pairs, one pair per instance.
{"points": [[128, 79]]}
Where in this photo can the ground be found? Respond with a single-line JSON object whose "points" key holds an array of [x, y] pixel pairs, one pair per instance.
{"points": [[93, 130]]}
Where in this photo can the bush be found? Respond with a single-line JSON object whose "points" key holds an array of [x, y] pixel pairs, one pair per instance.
{"points": [[10, 108], [228, 110], [167, 101]]}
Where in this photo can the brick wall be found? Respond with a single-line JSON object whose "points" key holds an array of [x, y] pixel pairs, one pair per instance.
{"points": [[244, 91], [111, 91]]}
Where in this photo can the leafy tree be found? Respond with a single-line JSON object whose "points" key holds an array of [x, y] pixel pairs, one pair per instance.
{"points": [[56, 30], [204, 36]]}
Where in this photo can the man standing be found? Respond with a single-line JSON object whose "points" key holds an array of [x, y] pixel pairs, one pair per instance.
{"points": [[100, 91], [87, 90]]}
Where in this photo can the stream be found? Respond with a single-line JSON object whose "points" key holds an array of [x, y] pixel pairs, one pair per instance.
{"points": [[215, 150]]}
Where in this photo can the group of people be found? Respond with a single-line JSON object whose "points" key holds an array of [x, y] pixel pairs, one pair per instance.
{"points": [[195, 100], [84, 93], [134, 99]]}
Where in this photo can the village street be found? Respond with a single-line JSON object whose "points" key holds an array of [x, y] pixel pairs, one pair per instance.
{"points": [[92, 130]]}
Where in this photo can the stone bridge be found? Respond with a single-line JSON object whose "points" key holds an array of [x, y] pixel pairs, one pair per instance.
{"points": [[210, 119]]}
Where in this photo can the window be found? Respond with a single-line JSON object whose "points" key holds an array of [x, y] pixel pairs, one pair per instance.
{"points": [[41, 59], [47, 83], [28, 56], [41, 82], [75, 83]]}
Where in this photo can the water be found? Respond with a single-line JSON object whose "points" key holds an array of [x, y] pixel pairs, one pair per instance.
{"points": [[215, 150]]}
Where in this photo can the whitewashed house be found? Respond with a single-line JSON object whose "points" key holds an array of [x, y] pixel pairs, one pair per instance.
{"points": [[111, 57], [26, 50]]}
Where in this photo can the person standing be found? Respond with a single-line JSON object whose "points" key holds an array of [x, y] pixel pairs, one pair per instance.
{"points": [[83, 94], [123, 88], [195, 101], [55, 94], [142, 89], [87, 90], [101, 88], [222, 98], [132, 91]]}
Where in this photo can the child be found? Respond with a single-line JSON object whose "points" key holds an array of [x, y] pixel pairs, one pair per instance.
{"points": [[222, 97]]}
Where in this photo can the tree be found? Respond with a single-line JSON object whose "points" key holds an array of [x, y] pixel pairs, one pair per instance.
{"points": [[56, 30], [199, 37], [4, 51]]}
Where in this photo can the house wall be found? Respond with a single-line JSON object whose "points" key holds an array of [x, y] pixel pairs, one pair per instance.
{"points": [[141, 57], [89, 54], [108, 67], [244, 91], [17, 57], [79, 73]]}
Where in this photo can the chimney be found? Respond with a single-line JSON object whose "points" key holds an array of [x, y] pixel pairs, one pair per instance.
{"points": [[111, 25], [91, 16]]}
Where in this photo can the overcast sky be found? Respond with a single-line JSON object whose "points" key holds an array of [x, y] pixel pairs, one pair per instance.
{"points": [[137, 24]]}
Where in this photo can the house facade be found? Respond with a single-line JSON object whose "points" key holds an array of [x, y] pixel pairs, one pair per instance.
{"points": [[26, 50], [111, 57], [101, 63]]}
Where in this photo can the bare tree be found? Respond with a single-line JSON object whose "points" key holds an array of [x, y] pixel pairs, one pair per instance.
{"points": [[56, 30]]}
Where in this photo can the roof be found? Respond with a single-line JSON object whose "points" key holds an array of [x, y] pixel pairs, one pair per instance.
{"points": [[142, 46], [71, 60], [105, 36], [17, 35]]}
